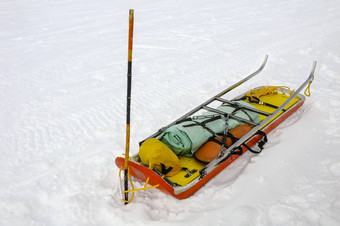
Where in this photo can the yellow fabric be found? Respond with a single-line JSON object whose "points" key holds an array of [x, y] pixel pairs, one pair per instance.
{"points": [[155, 153], [182, 178]]}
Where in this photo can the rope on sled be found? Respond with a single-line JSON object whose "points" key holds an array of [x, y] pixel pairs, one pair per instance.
{"points": [[307, 91], [266, 91], [255, 94], [133, 190]]}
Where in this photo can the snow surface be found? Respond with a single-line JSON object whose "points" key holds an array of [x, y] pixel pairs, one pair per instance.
{"points": [[62, 108]]}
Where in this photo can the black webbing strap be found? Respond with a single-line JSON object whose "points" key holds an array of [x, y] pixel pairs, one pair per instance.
{"points": [[236, 151], [210, 119], [184, 120], [239, 151], [216, 117], [173, 184], [230, 135], [203, 124], [165, 170], [238, 107], [260, 143], [256, 100]]}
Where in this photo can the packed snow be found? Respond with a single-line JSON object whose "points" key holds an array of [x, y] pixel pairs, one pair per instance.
{"points": [[63, 68]]}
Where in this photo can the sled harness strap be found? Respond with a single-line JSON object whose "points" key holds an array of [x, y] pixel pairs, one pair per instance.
{"points": [[239, 151], [253, 99], [238, 107], [261, 143], [254, 95], [212, 118], [165, 170], [203, 124], [218, 141]]}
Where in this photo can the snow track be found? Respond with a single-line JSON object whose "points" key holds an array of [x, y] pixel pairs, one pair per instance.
{"points": [[62, 108]]}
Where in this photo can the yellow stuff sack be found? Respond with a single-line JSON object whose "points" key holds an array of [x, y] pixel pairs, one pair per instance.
{"points": [[157, 155]]}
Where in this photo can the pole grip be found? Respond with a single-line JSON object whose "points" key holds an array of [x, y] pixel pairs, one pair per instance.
{"points": [[131, 19]]}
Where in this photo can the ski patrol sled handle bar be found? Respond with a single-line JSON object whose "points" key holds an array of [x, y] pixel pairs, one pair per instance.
{"points": [[210, 100]]}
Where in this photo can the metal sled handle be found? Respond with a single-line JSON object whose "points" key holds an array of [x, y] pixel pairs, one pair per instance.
{"points": [[209, 167], [215, 162], [211, 99]]}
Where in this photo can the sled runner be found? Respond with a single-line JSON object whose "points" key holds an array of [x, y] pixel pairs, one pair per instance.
{"points": [[184, 155]]}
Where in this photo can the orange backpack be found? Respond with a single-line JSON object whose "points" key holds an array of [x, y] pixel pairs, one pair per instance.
{"points": [[212, 148]]}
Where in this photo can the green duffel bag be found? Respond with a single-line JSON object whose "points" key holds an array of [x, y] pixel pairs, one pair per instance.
{"points": [[185, 138]]}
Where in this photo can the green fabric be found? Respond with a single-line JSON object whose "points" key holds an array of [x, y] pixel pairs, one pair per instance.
{"points": [[186, 141]]}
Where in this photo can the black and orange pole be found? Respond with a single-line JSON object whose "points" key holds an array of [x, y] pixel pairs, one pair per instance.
{"points": [[128, 106]]}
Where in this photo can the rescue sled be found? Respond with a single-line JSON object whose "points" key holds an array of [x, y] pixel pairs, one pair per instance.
{"points": [[272, 104]]}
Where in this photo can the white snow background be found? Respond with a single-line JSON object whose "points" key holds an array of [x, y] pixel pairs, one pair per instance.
{"points": [[63, 66]]}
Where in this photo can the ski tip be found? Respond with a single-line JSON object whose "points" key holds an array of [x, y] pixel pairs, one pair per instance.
{"points": [[314, 64], [313, 67], [264, 62], [266, 58]]}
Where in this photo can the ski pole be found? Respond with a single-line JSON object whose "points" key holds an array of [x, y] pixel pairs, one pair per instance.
{"points": [[128, 104]]}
